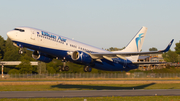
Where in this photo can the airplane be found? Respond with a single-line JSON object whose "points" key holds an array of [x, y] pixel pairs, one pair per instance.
{"points": [[47, 46]]}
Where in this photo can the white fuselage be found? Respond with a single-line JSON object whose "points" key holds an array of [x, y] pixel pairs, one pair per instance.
{"points": [[49, 40], [48, 46]]}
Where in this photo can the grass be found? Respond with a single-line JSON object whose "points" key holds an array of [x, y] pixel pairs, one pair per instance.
{"points": [[112, 98], [58, 87], [85, 79], [163, 70]]}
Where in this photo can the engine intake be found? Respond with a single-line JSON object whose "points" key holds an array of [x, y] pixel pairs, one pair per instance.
{"points": [[81, 57], [41, 56]]}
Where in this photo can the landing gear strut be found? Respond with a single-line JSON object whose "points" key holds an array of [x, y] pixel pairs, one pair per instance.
{"points": [[87, 69], [21, 51]]}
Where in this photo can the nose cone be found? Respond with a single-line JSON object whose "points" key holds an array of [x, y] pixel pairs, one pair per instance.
{"points": [[10, 34]]}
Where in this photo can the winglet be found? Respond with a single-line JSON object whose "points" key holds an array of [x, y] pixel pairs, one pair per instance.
{"points": [[168, 47]]}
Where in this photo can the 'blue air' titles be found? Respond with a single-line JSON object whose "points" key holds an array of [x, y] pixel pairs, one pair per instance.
{"points": [[47, 34], [62, 39], [52, 36]]}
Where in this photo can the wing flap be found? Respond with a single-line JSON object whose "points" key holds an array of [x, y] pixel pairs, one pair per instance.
{"points": [[122, 57], [107, 58]]}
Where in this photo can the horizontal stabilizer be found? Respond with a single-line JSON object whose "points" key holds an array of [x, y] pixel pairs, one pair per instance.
{"points": [[138, 63]]}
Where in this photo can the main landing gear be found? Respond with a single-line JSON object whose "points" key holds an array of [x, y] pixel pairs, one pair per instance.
{"points": [[64, 67], [87, 69]]}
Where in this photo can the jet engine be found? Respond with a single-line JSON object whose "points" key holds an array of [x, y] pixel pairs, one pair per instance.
{"points": [[81, 57], [41, 56]]}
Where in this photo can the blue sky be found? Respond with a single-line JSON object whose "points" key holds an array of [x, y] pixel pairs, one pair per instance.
{"points": [[101, 23]]}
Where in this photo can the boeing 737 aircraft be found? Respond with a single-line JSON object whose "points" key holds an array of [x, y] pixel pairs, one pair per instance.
{"points": [[47, 46]]}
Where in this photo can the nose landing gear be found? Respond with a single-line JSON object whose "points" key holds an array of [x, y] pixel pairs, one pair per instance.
{"points": [[21, 51]]}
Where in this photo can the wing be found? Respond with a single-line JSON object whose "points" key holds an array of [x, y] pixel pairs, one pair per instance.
{"points": [[122, 55]]}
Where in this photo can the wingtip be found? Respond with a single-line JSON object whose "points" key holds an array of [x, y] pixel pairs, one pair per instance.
{"points": [[168, 47], [171, 42]]}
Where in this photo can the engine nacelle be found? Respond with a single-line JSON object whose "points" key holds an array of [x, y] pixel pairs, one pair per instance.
{"points": [[41, 57], [81, 57]]}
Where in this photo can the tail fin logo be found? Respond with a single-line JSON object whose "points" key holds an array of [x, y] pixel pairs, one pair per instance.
{"points": [[139, 39]]}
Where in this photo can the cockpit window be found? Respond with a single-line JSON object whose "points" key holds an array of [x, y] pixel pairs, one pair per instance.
{"points": [[21, 30]]}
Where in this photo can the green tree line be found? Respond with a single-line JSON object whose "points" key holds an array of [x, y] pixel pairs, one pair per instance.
{"points": [[8, 52]]}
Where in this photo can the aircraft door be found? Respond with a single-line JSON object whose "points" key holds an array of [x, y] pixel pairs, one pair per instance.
{"points": [[33, 35], [16, 34]]}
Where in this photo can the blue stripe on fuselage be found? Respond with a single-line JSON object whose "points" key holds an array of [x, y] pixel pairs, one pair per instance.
{"points": [[119, 65], [111, 66], [49, 51]]}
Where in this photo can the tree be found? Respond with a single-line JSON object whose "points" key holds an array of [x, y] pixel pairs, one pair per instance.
{"points": [[25, 67], [170, 56], [153, 49], [13, 71], [41, 68], [11, 52], [2, 47], [115, 49], [177, 48], [54, 64], [51, 70], [27, 55]]}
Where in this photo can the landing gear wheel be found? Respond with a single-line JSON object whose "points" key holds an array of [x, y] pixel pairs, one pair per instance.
{"points": [[60, 68], [87, 69], [66, 68], [20, 51]]}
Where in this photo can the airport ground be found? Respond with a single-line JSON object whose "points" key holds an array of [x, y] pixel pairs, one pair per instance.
{"points": [[88, 84], [108, 98], [64, 87], [90, 79], [82, 84]]}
